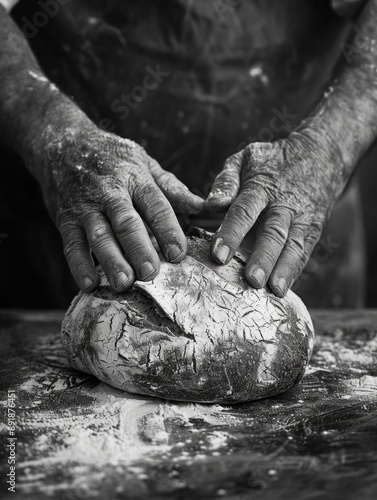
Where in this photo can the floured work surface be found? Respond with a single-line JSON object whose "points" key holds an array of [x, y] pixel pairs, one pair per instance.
{"points": [[80, 439]]}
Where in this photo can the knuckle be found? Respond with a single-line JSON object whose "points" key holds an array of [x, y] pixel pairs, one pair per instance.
{"points": [[126, 223], [235, 226], [225, 180], [65, 221], [280, 213], [262, 185], [299, 261], [161, 218], [248, 205], [299, 266], [293, 261], [171, 177], [259, 149], [168, 177], [67, 229], [87, 211], [144, 192], [233, 162], [113, 199], [316, 229], [244, 216], [98, 234], [293, 253], [172, 187], [221, 176], [304, 259], [296, 244], [160, 174], [275, 232], [253, 190], [312, 239], [159, 208], [72, 246]]}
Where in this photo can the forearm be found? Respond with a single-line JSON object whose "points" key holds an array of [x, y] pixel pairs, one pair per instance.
{"points": [[345, 120], [29, 102]]}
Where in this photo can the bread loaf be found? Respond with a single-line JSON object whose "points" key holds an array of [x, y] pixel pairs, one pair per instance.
{"points": [[197, 332]]}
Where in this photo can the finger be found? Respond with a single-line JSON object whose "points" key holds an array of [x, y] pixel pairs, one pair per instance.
{"points": [[133, 237], [269, 244], [77, 253], [237, 223], [160, 217], [226, 185], [180, 197], [293, 259], [105, 247]]}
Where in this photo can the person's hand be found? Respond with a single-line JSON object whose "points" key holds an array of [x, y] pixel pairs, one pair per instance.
{"points": [[291, 185], [100, 189]]}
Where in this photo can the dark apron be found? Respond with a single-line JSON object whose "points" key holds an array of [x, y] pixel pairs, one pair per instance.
{"points": [[193, 81]]}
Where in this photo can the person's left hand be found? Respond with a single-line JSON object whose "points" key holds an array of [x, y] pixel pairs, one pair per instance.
{"points": [[292, 185]]}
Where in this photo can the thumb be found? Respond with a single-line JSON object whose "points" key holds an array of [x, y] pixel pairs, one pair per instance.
{"points": [[180, 197], [226, 185]]}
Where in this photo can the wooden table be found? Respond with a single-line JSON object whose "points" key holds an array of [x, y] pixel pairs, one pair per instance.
{"points": [[78, 438]]}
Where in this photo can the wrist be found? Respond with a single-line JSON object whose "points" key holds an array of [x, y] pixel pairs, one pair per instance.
{"points": [[327, 133], [51, 117], [345, 120], [317, 149]]}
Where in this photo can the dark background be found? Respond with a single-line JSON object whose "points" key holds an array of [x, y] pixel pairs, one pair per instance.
{"points": [[368, 181]]}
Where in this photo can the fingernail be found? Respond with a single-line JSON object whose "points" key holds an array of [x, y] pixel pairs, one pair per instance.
{"points": [[120, 280], [174, 253], [259, 276], [146, 270], [281, 285], [222, 253], [87, 282]]}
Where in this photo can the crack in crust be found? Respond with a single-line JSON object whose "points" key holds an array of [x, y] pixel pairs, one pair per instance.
{"points": [[197, 332]]}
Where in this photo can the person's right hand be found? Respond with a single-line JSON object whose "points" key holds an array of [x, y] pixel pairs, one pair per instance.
{"points": [[98, 189]]}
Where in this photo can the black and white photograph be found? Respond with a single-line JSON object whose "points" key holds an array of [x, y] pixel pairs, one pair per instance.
{"points": [[188, 242]]}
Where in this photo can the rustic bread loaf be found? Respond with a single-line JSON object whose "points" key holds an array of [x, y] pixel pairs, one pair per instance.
{"points": [[197, 332]]}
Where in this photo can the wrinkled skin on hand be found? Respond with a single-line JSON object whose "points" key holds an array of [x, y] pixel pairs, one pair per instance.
{"points": [[100, 189], [291, 186]]}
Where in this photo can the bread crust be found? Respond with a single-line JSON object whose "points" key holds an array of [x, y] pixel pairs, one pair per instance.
{"points": [[197, 332]]}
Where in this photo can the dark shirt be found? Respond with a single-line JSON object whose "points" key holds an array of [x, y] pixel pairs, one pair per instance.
{"points": [[191, 80], [227, 77]]}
